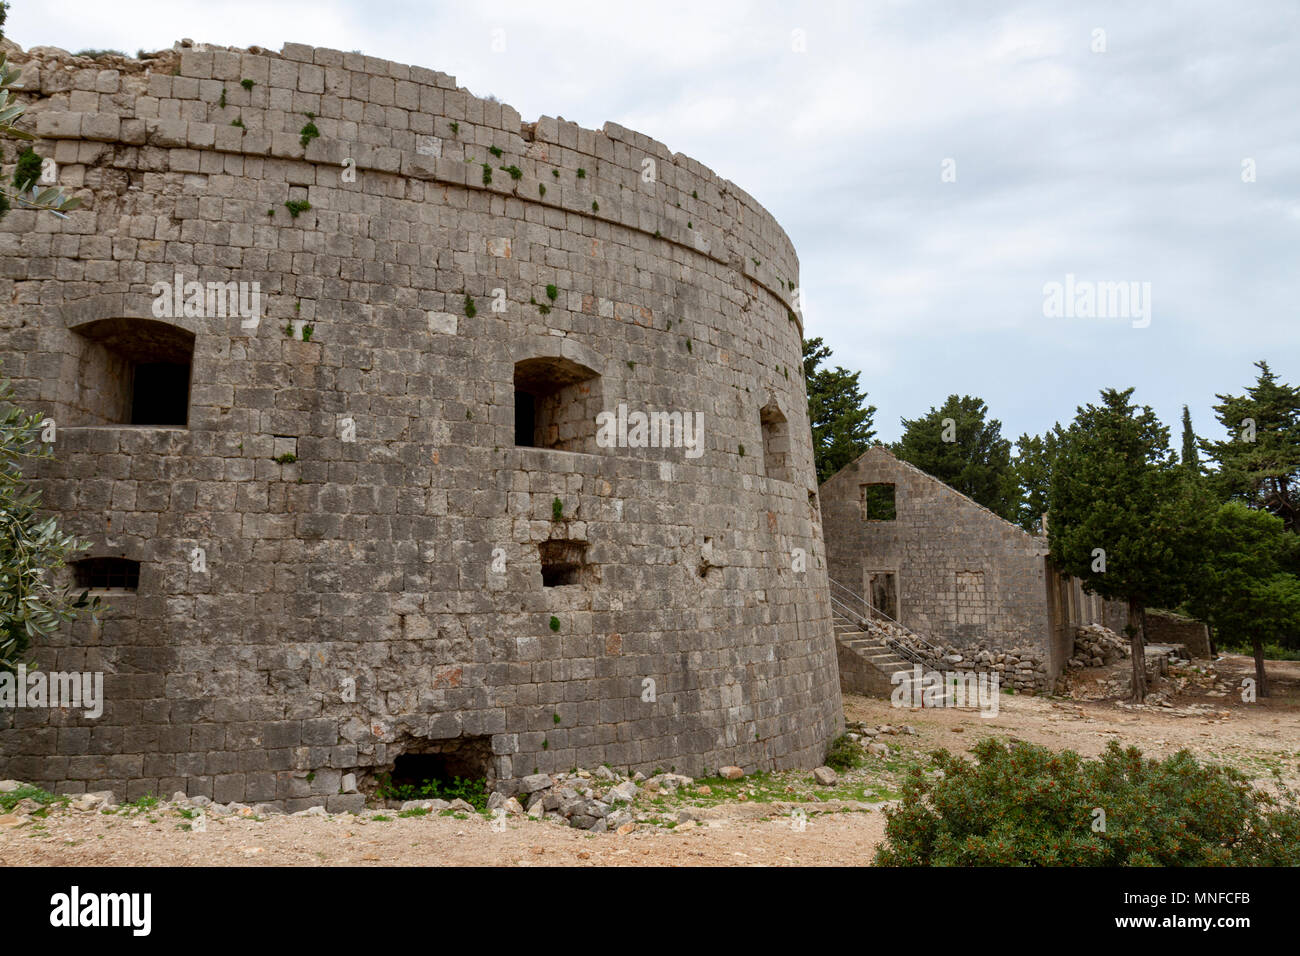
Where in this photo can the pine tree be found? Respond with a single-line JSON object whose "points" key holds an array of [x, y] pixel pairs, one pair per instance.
{"points": [[837, 412], [1246, 590], [1259, 462], [1123, 518], [1191, 461], [957, 445], [1033, 470]]}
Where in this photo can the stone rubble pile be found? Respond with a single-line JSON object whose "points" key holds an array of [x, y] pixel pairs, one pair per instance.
{"points": [[1019, 667], [1097, 646], [869, 735], [599, 800]]}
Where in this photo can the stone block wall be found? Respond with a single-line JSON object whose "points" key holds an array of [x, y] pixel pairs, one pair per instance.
{"points": [[372, 578], [1166, 627], [965, 578]]}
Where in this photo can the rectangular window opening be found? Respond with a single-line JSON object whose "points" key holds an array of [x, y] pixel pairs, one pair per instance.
{"points": [[878, 502]]}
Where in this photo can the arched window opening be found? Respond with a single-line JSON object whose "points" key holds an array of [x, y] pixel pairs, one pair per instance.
{"points": [[133, 372]]}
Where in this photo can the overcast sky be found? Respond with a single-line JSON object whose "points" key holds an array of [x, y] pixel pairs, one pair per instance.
{"points": [[1115, 164]]}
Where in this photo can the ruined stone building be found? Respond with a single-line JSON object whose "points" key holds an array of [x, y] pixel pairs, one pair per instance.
{"points": [[950, 570], [325, 350]]}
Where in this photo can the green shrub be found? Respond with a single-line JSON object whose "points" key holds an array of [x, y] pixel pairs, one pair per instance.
{"points": [[28, 170], [27, 792], [845, 754], [473, 791], [1025, 805]]}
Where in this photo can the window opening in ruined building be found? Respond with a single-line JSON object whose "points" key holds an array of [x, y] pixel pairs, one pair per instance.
{"points": [[132, 372], [107, 574], [878, 502], [564, 563], [776, 442], [882, 592], [556, 403]]}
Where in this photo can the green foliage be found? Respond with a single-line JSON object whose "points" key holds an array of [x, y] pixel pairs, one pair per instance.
{"points": [[555, 173], [10, 799], [287, 458], [28, 170], [237, 122], [1190, 461], [582, 173], [554, 623], [1116, 486], [495, 151], [1260, 469], [487, 174], [1032, 469], [247, 84], [837, 411], [296, 206], [1245, 588], [557, 510], [541, 190], [552, 292], [845, 754], [455, 128], [1023, 805], [222, 102], [595, 206], [977, 459], [881, 505], [470, 309], [514, 171], [308, 133], [472, 790], [307, 331], [32, 547]]}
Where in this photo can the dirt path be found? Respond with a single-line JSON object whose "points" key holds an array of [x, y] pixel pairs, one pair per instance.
{"points": [[753, 822]]}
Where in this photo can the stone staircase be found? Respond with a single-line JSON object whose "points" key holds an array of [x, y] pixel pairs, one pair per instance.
{"points": [[867, 663]]}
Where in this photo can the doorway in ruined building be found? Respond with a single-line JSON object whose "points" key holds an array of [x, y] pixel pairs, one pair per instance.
{"points": [[132, 372], [556, 403], [441, 762], [882, 592]]}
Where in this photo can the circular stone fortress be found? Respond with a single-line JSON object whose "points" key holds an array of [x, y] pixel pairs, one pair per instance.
{"points": [[405, 437]]}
